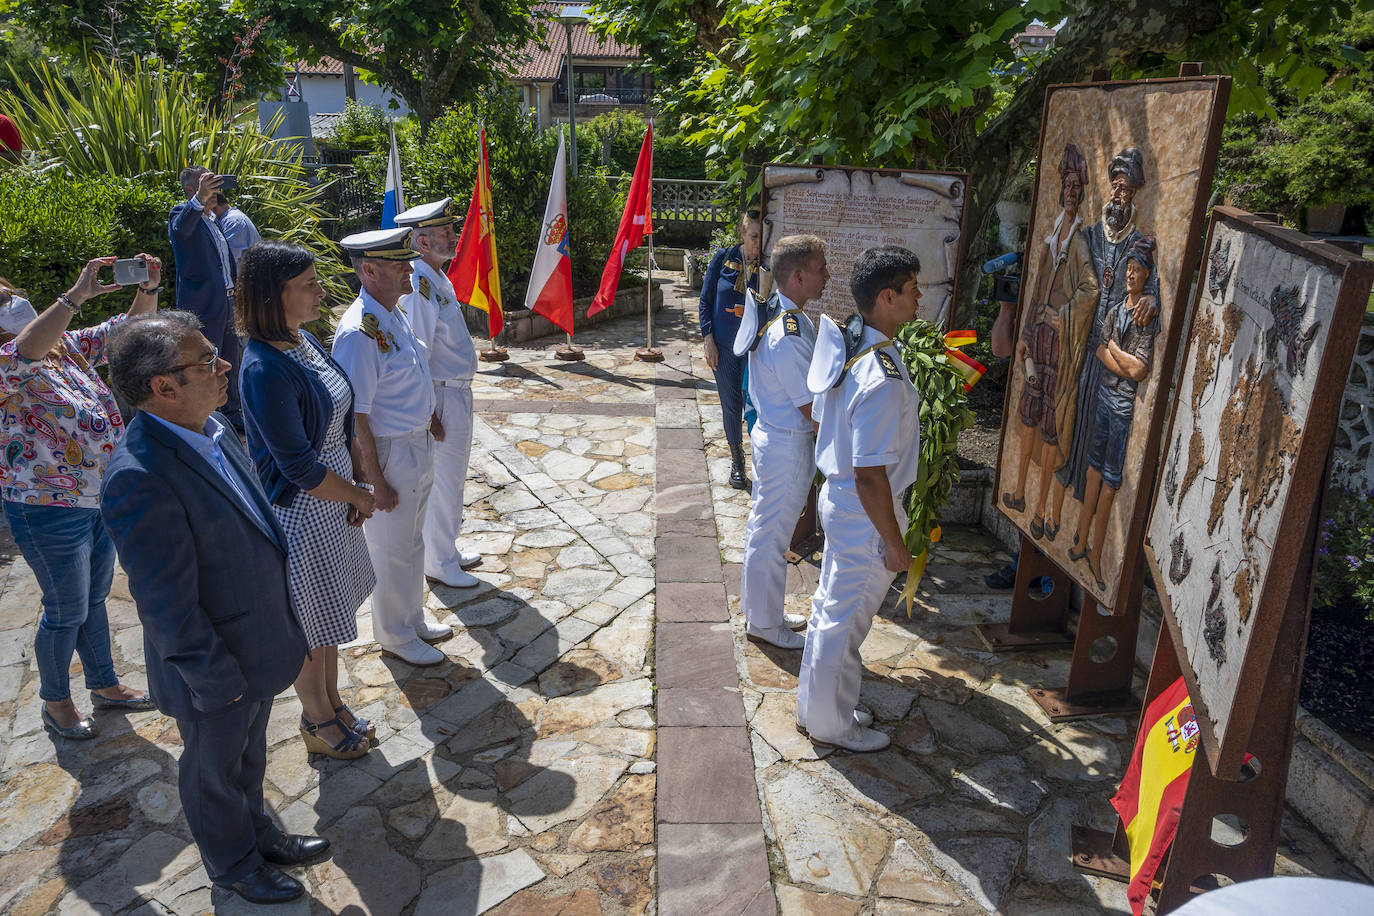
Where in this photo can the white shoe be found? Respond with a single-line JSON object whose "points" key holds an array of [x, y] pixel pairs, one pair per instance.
{"points": [[454, 578], [863, 717], [794, 621], [415, 652], [781, 637], [858, 739], [467, 560], [433, 632]]}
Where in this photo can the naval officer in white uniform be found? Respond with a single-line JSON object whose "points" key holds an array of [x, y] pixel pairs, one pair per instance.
{"points": [[779, 338], [868, 447], [393, 405], [438, 322]]}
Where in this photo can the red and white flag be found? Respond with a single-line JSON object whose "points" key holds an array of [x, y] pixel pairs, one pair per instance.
{"points": [[550, 293], [635, 223]]}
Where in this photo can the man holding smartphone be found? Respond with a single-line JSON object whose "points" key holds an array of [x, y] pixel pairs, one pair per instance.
{"points": [[205, 273]]}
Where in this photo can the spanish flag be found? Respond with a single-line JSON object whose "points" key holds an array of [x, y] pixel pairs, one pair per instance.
{"points": [[1151, 795], [474, 272], [967, 366]]}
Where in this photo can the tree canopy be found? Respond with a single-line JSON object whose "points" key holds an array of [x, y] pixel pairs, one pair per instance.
{"points": [[430, 52], [912, 83], [221, 47]]}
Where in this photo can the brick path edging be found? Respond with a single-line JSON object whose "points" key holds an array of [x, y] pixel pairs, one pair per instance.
{"points": [[712, 856]]}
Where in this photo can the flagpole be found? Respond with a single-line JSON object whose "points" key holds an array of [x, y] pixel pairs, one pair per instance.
{"points": [[648, 354]]}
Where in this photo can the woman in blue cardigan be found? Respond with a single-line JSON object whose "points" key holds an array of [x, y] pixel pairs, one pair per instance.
{"points": [[298, 415]]}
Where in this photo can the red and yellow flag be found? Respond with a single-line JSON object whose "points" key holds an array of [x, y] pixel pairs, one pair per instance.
{"points": [[967, 366], [474, 271], [1151, 795]]}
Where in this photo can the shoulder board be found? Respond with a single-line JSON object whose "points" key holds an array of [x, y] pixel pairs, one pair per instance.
{"points": [[791, 326], [424, 287], [888, 363], [369, 325]]}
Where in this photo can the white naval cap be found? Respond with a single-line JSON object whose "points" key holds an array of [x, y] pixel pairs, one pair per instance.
{"points": [[382, 244], [827, 359], [16, 314], [424, 216], [748, 330]]}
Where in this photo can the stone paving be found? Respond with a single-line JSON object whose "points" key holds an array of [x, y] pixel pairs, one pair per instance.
{"points": [[602, 740]]}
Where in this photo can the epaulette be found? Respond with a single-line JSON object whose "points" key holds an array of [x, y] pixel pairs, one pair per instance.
{"points": [[791, 326], [424, 287], [889, 364], [369, 325]]}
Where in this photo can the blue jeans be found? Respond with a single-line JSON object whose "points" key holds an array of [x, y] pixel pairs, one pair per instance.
{"points": [[73, 560]]}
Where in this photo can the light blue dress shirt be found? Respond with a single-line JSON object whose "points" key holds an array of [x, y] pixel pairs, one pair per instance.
{"points": [[208, 447]]}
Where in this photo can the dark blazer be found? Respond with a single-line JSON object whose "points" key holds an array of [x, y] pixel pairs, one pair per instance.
{"points": [[209, 579], [286, 412], [722, 305], [200, 280]]}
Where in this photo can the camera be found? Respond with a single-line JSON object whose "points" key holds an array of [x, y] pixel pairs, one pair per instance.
{"points": [[228, 182]]}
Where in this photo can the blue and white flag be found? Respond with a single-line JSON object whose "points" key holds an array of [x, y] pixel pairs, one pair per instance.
{"points": [[394, 200]]}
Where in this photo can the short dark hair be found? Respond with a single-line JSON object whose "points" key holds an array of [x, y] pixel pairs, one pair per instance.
{"points": [[263, 274], [143, 347], [794, 252], [879, 268], [191, 174]]}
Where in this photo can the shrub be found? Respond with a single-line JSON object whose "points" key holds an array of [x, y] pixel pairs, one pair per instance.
{"points": [[1345, 556], [521, 158], [143, 127], [618, 136], [54, 224]]}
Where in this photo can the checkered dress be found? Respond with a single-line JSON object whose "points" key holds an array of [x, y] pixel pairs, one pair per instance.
{"points": [[326, 560]]}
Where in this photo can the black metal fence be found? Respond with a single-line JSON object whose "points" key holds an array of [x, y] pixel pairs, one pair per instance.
{"points": [[636, 95]]}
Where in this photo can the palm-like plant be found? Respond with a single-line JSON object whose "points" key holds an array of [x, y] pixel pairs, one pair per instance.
{"points": [[147, 125]]}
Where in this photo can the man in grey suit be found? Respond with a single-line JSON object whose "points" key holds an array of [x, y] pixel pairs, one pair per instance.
{"points": [[206, 562]]}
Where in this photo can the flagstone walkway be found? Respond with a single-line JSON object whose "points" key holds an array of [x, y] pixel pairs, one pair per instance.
{"points": [[602, 740]]}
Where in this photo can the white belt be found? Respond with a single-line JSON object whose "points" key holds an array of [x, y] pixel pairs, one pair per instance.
{"points": [[782, 431], [418, 433], [454, 383]]}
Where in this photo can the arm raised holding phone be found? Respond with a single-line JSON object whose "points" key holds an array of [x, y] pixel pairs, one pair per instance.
{"points": [[45, 332]]}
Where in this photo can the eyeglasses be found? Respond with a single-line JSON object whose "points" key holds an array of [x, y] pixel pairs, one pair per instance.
{"points": [[211, 363]]}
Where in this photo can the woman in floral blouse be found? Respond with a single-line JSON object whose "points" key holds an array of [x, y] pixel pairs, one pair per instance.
{"points": [[60, 425]]}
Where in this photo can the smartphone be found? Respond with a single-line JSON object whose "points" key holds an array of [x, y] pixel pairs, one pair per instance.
{"points": [[228, 182], [128, 271]]}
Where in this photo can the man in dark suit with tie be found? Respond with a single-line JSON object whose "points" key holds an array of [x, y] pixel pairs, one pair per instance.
{"points": [[206, 272], [206, 563]]}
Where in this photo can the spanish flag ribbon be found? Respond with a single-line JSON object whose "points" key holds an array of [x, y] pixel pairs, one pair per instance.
{"points": [[967, 366], [916, 572], [1151, 796]]}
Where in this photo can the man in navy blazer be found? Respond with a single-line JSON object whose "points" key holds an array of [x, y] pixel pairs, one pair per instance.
{"points": [[206, 272], [206, 562]]}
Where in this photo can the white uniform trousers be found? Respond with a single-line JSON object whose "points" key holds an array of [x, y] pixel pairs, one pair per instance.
{"points": [[853, 583], [395, 539], [784, 467], [453, 404]]}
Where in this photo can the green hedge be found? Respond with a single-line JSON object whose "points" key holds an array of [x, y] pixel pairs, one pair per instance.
{"points": [[53, 224]]}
